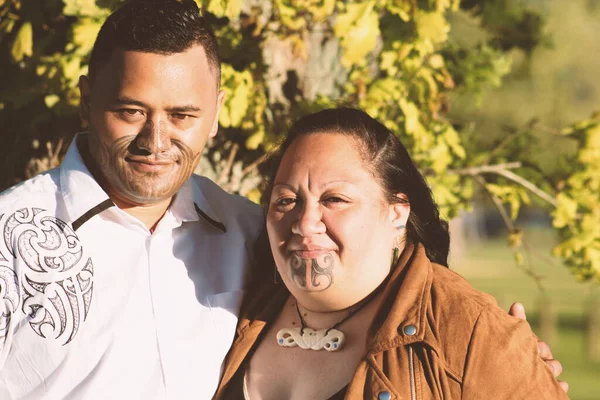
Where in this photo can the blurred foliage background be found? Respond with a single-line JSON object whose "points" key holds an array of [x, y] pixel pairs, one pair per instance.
{"points": [[496, 100], [474, 88]]}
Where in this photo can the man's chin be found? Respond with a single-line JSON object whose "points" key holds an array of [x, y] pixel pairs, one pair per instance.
{"points": [[139, 196]]}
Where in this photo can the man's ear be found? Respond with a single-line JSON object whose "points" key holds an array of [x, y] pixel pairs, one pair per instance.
{"points": [[400, 211], [84, 100], [215, 126]]}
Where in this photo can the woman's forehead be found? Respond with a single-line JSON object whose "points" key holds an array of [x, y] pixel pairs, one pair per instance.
{"points": [[323, 158]]}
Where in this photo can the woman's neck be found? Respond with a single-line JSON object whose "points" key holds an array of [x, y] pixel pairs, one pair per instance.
{"points": [[328, 319]]}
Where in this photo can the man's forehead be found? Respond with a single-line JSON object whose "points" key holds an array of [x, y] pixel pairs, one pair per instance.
{"points": [[129, 63]]}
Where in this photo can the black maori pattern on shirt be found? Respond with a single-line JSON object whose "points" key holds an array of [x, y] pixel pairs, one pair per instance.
{"points": [[9, 297], [56, 279]]}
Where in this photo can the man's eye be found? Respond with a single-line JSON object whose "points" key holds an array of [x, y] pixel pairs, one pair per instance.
{"points": [[131, 112], [181, 116]]}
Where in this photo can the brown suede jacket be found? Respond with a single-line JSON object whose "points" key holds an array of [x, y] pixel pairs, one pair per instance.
{"points": [[435, 337]]}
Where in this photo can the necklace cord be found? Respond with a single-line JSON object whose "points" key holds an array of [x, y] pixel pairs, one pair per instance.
{"points": [[364, 302]]}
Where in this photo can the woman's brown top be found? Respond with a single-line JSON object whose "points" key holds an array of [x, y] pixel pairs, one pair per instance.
{"points": [[434, 337]]}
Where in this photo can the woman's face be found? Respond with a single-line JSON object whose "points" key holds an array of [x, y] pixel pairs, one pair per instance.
{"points": [[330, 227]]}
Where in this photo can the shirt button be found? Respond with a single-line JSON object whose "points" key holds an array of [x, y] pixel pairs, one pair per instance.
{"points": [[410, 330], [384, 396]]}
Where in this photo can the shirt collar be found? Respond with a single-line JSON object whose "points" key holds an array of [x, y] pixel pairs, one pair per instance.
{"points": [[203, 204], [190, 204], [84, 198], [80, 191]]}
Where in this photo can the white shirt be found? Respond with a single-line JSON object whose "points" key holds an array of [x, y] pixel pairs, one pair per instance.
{"points": [[94, 306]]}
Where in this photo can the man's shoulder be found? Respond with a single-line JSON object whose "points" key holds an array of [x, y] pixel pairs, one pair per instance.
{"points": [[232, 204], [38, 191]]}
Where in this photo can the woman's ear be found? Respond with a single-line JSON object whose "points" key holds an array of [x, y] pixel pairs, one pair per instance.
{"points": [[399, 212]]}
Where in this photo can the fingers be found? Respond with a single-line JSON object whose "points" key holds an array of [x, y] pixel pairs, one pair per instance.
{"points": [[555, 366], [564, 385], [544, 351], [517, 310]]}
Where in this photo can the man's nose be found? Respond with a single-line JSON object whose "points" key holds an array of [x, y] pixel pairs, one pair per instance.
{"points": [[309, 221], [154, 137]]}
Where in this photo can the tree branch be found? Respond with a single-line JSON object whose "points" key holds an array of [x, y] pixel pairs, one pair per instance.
{"points": [[255, 164], [507, 221], [230, 160], [528, 185], [503, 170], [512, 229], [482, 169]]}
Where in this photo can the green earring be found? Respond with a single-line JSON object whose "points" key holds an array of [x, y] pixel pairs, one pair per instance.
{"points": [[396, 251], [395, 254]]}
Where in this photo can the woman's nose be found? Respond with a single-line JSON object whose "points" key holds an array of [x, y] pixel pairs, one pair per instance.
{"points": [[309, 221]]}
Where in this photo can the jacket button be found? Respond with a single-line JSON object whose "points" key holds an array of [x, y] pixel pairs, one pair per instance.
{"points": [[384, 396], [410, 330]]}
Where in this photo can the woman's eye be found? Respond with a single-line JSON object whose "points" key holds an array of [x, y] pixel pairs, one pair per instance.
{"points": [[334, 199], [285, 202]]}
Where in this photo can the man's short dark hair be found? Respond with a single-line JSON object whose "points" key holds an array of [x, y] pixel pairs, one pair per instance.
{"points": [[155, 26]]}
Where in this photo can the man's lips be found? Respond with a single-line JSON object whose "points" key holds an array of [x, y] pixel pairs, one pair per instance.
{"points": [[149, 165]]}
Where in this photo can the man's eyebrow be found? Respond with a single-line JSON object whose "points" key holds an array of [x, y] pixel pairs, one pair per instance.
{"points": [[186, 108], [129, 101]]}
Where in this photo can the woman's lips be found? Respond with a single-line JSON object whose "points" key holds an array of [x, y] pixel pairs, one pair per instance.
{"points": [[310, 253]]}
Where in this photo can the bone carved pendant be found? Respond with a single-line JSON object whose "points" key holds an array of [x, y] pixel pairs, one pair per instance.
{"points": [[311, 339]]}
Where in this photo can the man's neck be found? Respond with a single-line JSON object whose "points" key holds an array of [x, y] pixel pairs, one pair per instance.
{"points": [[149, 214]]}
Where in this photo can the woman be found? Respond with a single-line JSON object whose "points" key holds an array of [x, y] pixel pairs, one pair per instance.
{"points": [[368, 308]]}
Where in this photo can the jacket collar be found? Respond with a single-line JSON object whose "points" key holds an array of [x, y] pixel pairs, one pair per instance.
{"points": [[84, 197], [402, 318]]}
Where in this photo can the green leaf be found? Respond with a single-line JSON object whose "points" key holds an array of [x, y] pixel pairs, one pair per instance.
{"points": [[453, 140], [23, 44], [358, 30], [224, 8], [566, 211], [79, 8], [239, 87], [350, 17], [255, 139], [411, 117], [321, 9], [84, 35], [51, 100], [289, 15], [432, 26]]}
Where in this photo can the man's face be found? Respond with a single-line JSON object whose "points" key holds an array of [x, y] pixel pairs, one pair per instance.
{"points": [[149, 117]]}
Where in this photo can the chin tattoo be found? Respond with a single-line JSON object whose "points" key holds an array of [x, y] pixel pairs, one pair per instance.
{"points": [[312, 273], [149, 188]]}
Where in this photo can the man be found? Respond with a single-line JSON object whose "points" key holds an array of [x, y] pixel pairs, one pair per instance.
{"points": [[121, 273]]}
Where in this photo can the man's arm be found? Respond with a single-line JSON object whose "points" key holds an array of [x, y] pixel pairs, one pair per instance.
{"points": [[544, 351]]}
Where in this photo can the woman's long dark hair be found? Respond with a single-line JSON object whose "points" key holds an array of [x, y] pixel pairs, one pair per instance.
{"points": [[389, 162]]}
